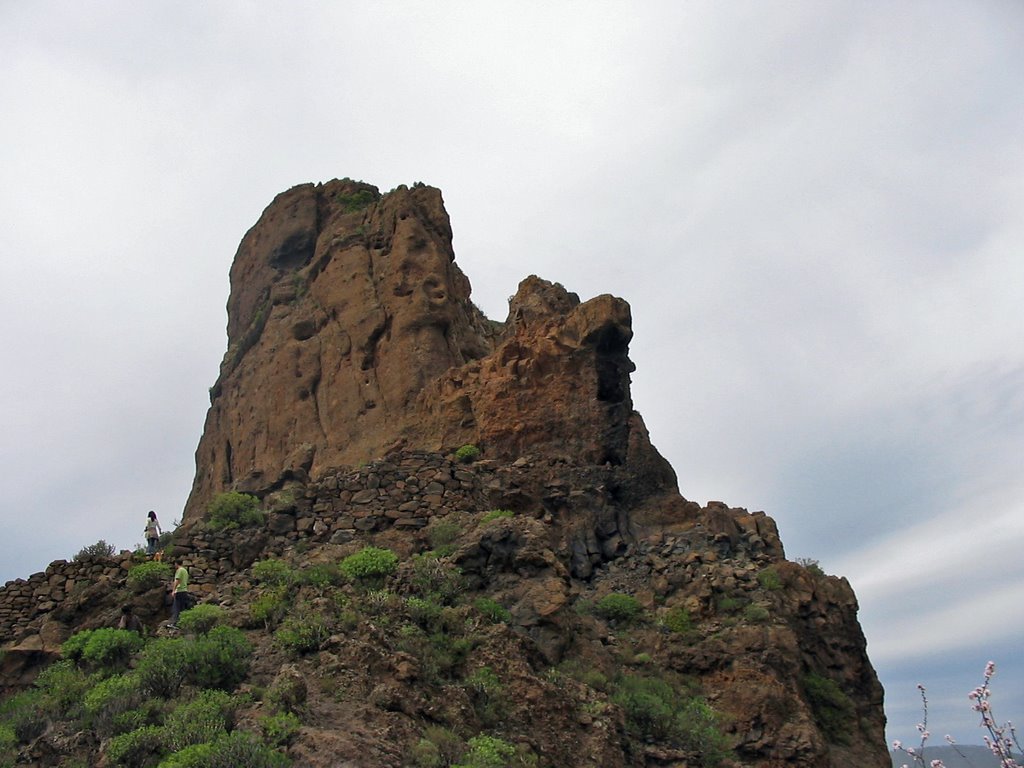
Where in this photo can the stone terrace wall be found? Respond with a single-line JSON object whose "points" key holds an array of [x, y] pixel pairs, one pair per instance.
{"points": [[403, 491], [23, 600]]}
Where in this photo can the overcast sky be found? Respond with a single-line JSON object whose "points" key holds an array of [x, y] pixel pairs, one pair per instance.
{"points": [[815, 209]]}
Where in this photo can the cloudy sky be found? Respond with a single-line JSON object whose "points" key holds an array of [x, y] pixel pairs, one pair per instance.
{"points": [[815, 209]]}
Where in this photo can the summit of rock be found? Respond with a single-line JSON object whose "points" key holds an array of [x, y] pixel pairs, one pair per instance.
{"points": [[351, 333]]}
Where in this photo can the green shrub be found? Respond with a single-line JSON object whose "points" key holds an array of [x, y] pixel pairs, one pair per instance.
{"points": [[770, 579], [729, 604], [24, 714], [442, 535], [832, 709], [100, 549], [147, 576], [234, 750], [133, 719], [206, 717], [275, 573], [496, 514], [650, 705], [756, 614], [220, 658], [678, 620], [201, 619], [269, 607], [163, 666], [321, 576], [811, 565], [136, 749], [355, 201], [63, 686], [72, 647], [697, 730], [436, 580], [281, 729], [8, 745], [109, 699], [233, 510], [618, 607], [487, 752], [304, 633], [426, 613], [439, 747], [492, 610], [370, 565], [467, 454], [108, 649]]}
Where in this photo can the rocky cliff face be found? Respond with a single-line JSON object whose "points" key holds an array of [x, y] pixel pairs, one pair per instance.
{"points": [[351, 333], [356, 366]]}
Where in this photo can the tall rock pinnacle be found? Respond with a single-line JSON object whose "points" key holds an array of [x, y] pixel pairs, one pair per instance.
{"points": [[351, 333]]}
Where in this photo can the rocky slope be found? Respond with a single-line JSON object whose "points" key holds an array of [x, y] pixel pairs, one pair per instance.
{"points": [[555, 591]]}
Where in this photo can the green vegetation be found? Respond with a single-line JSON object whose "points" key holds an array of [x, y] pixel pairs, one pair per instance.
{"points": [[770, 579], [370, 566], [321, 576], [436, 579], [269, 608], [756, 614], [100, 549], [147, 576], [273, 572], [678, 620], [654, 709], [281, 729], [495, 514], [355, 201], [491, 752], [833, 710], [233, 510], [237, 749], [439, 747], [618, 607], [200, 619], [467, 454], [103, 649], [304, 633], [730, 604], [811, 565], [442, 534], [492, 610], [109, 700], [199, 720]]}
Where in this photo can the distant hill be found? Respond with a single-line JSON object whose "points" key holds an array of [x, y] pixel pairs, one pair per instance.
{"points": [[976, 757]]}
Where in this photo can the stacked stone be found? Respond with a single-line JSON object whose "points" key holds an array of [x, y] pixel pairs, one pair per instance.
{"points": [[23, 600], [403, 491]]}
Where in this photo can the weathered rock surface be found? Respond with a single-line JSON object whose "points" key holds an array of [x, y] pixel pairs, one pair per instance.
{"points": [[356, 365], [351, 333]]}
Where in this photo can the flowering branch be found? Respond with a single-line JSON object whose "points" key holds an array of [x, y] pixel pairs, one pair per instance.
{"points": [[1001, 740]]}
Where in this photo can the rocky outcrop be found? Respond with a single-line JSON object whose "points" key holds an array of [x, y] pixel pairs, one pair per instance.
{"points": [[351, 333], [356, 366]]}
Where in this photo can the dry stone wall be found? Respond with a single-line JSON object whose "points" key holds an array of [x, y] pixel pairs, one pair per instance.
{"points": [[402, 491]]}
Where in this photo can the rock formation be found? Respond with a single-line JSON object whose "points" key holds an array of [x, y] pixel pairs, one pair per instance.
{"points": [[351, 334], [356, 367]]}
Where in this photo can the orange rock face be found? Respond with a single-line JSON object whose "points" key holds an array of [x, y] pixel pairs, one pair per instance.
{"points": [[351, 333]]}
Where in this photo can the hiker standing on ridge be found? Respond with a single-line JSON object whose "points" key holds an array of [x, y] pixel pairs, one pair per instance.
{"points": [[181, 597], [152, 533]]}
